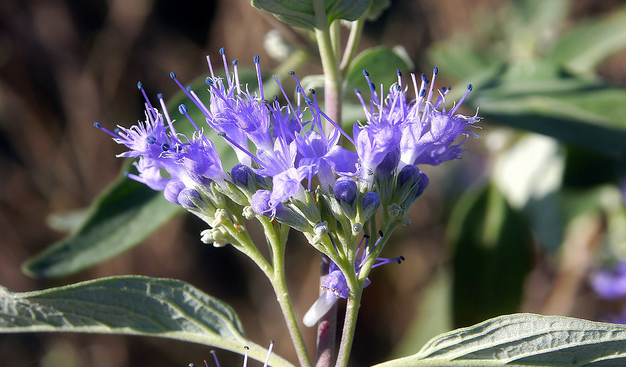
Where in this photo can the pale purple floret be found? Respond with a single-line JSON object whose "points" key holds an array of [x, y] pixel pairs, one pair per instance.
{"points": [[168, 161], [422, 131], [286, 147], [610, 283]]}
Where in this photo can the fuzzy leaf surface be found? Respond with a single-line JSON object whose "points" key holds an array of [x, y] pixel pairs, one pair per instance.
{"points": [[301, 13], [524, 340], [130, 305]]}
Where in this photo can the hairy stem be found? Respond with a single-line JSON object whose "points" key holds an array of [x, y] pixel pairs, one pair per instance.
{"points": [[349, 327]]}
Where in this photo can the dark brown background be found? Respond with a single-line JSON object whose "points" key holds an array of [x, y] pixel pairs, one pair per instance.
{"points": [[66, 64]]}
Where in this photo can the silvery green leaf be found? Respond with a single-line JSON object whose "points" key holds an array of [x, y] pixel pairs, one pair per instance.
{"points": [[300, 13], [524, 340], [130, 305]]}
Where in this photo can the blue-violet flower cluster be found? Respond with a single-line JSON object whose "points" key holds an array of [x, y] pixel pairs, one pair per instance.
{"points": [[292, 166]]}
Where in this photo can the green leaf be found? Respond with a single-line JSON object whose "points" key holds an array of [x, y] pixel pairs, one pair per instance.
{"points": [[590, 42], [491, 256], [130, 305], [381, 63], [587, 114], [377, 8], [120, 218], [524, 339], [301, 13]]}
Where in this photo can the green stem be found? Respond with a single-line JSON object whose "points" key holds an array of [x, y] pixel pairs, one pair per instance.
{"points": [[354, 300], [332, 85], [353, 43], [332, 104], [277, 239], [349, 327]]}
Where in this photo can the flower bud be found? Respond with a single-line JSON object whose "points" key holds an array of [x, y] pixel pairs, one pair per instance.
{"points": [[409, 175], [172, 190], [345, 189], [321, 229], [260, 203], [240, 174], [371, 201], [369, 204], [189, 198], [389, 163]]}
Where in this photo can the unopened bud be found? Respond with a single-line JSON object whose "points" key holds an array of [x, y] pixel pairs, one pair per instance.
{"points": [[345, 189]]}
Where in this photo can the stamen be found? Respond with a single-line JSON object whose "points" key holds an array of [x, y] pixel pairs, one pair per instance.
{"points": [[415, 90], [258, 75], [360, 97], [167, 115], [139, 85], [214, 358], [208, 61], [99, 126], [335, 125], [374, 96], [184, 111], [245, 356], [269, 353], [234, 143], [194, 98], [383, 261], [430, 92], [283, 92], [223, 53], [236, 72], [469, 89]]}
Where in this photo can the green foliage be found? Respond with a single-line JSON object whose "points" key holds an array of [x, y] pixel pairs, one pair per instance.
{"points": [[119, 219], [491, 256], [524, 340], [544, 84], [590, 42], [381, 63], [130, 305], [301, 13]]}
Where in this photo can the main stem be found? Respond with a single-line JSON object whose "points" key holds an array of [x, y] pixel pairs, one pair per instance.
{"points": [[332, 84], [349, 327], [332, 103]]}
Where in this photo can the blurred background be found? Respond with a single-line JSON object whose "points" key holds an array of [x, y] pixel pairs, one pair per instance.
{"points": [[65, 64]]}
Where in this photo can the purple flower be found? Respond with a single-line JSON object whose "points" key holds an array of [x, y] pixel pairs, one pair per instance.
{"points": [[187, 162], [422, 131], [286, 147], [610, 283], [293, 144]]}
